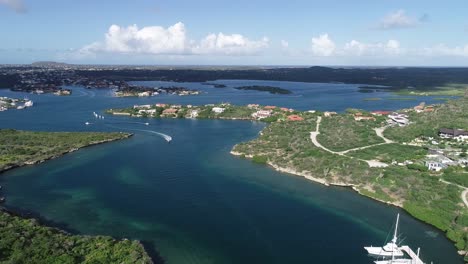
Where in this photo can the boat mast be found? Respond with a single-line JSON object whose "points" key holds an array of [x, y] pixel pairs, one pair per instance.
{"points": [[394, 240]]}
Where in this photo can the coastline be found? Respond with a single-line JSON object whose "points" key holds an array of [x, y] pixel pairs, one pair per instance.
{"points": [[60, 228], [34, 162], [318, 180], [340, 184]]}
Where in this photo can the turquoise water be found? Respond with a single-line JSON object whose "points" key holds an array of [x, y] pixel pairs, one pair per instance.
{"points": [[193, 201]]}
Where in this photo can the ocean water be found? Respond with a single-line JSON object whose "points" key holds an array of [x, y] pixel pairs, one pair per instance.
{"points": [[191, 200]]}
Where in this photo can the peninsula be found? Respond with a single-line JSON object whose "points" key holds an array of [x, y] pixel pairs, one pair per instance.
{"points": [[25, 239], [406, 158]]}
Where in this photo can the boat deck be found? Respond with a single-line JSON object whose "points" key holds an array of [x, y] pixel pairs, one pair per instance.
{"points": [[414, 257]]}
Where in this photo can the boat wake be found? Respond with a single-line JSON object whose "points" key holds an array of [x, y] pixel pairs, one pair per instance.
{"points": [[165, 136]]}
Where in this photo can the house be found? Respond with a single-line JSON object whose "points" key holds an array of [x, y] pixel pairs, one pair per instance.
{"points": [[160, 105], [170, 111], [270, 107], [260, 114], [328, 114], [143, 94], [435, 166], [141, 106], [147, 111], [218, 110], [176, 106], [193, 113], [359, 116], [458, 134], [380, 113], [295, 118], [253, 106], [398, 119], [312, 111]]}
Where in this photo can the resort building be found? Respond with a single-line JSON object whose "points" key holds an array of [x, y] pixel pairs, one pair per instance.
{"points": [[458, 134]]}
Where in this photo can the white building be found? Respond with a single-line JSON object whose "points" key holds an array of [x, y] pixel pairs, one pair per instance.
{"points": [[260, 114], [218, 110], [435, 166]]}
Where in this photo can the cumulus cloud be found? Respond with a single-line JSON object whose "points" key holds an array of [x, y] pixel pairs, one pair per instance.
{"points": [[444, 50], [357, 48], [16, 5], [152, 40], [323, 46], [397, 20], [173, 40], [284, 44], [234, 44]]}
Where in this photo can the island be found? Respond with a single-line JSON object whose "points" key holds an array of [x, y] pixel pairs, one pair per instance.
{"points": [[267, 113], [25, 239], [143, 91], [215, 85], [413, 158], [261, 88]]}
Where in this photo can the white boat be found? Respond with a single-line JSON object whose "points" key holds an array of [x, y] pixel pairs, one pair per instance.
{"points": [[391, 249], [28, 103], [147, 123], [87, 123]]}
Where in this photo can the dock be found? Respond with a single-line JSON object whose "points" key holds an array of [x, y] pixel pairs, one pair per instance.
{"points": [[414, 257]]}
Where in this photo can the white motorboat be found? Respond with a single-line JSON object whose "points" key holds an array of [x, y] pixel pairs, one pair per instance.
{"points": [[390, 249]]}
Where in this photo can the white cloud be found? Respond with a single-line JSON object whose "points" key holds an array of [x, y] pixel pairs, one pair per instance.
{"points": [[234, 44], [323, 46], [284, 44], [151, 40], [173, 40], [357, 48], [396, 20], [16, 5], [444, 50]]}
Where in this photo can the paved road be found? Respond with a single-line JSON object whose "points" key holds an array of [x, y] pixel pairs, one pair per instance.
{"points": [[465, 197]]}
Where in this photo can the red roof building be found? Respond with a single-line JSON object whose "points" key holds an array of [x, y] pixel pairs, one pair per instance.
{"points": [[295, 118]]}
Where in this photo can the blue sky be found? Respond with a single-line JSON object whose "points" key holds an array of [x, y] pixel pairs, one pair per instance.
{"points": [[371, 32]]}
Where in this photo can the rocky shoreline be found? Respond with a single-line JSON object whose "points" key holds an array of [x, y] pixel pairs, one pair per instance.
{"points": [[318, 180], [324, 182]]}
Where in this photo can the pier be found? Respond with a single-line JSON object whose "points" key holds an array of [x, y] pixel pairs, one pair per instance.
{"points": [[414, 257]]}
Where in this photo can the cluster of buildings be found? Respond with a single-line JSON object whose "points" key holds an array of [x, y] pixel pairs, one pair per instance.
{"points": [[13, 103], [439, 159], [143, 91]]}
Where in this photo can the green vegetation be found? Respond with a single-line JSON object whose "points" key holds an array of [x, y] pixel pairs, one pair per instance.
{"points": [[25, 241], [453, 114], [270, 89], [26, 147], [390, 152], [450, 89], [413, 187], [459, 177], [342, 132], [223, 111], [260, 159]]}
